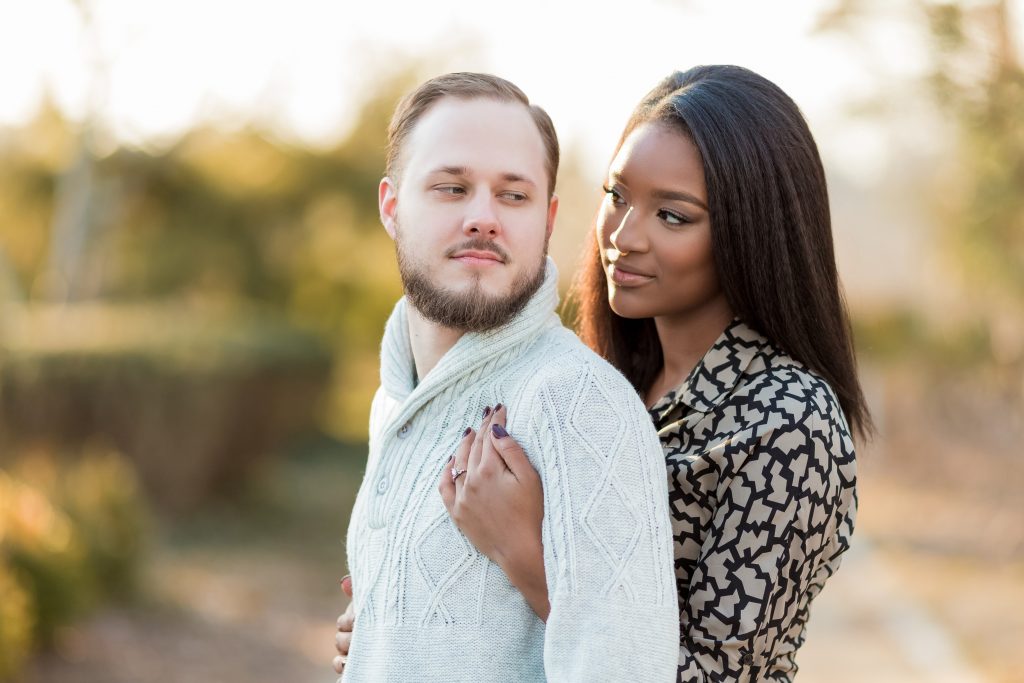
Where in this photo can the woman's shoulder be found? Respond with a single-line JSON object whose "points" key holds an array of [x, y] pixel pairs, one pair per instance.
{"points": [[783, 392]]}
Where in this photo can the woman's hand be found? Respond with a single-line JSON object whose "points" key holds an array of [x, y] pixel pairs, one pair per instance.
{"points": [[498, 503], [346, 622]]}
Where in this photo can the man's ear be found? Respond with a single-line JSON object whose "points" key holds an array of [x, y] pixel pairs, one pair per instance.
{"points": [[552, 211], [387, 201]]}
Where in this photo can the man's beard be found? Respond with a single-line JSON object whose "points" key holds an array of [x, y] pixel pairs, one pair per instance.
{"points": [[472, 310]]}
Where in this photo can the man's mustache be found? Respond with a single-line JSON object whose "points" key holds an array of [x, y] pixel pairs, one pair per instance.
{"points": [[479, 245]]}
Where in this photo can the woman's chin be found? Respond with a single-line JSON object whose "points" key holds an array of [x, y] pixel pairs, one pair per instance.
{"points": [[624, 308]]}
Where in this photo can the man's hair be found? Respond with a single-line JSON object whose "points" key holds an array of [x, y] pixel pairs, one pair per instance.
{"points": [[465, 86]]}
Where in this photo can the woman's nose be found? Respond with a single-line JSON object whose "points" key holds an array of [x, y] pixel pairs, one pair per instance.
{"points": [[627, 238]]}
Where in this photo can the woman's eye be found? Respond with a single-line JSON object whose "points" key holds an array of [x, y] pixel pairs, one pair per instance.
{"points": [[613, 195], [672, 218]]}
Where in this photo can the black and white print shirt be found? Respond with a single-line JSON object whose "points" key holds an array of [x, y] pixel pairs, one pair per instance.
{"points": [[762, 493]]}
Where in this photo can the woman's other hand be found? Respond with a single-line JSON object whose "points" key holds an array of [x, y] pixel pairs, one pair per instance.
{"points": [[346, 622]]}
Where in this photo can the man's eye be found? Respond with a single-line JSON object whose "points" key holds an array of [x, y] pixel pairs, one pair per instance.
{"points": [[451, 189], [514, 196]]}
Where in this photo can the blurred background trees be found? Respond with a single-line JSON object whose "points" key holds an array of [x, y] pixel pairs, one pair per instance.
{"points": [[192, 310], [189, 332], [978, 78]]}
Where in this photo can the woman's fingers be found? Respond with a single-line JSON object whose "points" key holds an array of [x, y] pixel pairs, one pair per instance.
{"points": [[346, 622], [490, 458], [478, 445], [342, 642], [466, 462], [446, 485], [509, 450]]}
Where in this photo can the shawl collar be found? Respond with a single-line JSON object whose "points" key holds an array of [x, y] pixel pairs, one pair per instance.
{"points": [[470, 352]]}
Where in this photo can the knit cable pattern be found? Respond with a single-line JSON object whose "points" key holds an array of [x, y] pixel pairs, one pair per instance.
{"points": [[429, 606]]}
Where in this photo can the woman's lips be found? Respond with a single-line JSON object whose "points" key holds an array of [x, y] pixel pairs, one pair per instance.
{"points": [[627, 278]]}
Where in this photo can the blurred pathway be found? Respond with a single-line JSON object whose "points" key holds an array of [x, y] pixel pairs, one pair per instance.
{"points": [[267, 620], [252, 599], [866, 627], [239, 619]]}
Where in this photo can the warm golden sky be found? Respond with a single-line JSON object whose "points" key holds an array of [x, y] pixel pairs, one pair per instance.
{"points": [[151, 68]]}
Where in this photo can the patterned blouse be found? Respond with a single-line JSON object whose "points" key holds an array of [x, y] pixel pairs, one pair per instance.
{"points": [[762, 493]]}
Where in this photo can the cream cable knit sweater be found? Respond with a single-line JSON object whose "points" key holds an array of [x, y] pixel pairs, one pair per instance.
{"points": [[429, 607]]}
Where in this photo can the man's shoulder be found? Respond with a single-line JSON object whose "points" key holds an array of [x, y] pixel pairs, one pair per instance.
{"points": [[561, 362]]}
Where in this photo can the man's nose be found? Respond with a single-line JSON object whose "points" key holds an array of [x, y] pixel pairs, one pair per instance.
{"points": [[482, 219]]}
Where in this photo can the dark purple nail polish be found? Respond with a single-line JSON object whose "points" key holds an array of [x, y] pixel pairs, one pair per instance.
{"points": [[451, 457], [497, 407], [498, 431], [466, 433], [487, 411]]}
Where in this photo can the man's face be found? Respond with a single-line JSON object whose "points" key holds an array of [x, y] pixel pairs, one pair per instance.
{"points": [[470, 213]]}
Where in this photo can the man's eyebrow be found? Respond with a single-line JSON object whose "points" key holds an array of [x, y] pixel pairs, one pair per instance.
{"points": [[463, 172], [452, 170], [517, 178]]}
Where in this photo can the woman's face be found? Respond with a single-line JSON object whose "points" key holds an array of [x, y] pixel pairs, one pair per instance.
{"points": [[654, 230]]}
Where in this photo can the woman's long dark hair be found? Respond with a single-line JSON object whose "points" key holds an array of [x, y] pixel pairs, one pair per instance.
{"points": [[771, 232]]}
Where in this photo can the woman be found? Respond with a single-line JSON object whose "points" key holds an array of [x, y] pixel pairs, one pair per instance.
{"points": [[710, 283]]}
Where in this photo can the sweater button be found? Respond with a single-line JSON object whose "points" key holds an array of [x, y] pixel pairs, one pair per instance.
{"points": [[747, 659], [382, 485], [403, 431]]}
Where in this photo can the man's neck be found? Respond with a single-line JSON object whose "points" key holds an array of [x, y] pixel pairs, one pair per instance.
{"points": [[429, 342]]}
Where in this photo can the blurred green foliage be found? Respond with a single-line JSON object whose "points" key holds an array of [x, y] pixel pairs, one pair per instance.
{"points": [[899, 335], [975, 76], [16, 625], [101, 497], [978, 77], [72, 532], [44, 550], [220, 221]]}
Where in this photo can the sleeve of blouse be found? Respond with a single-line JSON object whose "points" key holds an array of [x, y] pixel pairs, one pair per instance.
{"points": [[769, 546]]}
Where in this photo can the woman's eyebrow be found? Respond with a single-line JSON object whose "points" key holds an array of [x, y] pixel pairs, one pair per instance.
{"points": [[675, 195], [671, 195]]}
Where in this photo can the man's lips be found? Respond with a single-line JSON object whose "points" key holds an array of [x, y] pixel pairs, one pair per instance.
{"points": [[477, 256]]}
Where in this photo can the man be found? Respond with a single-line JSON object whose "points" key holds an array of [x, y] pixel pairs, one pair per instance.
{"points": [[469, 201]]}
